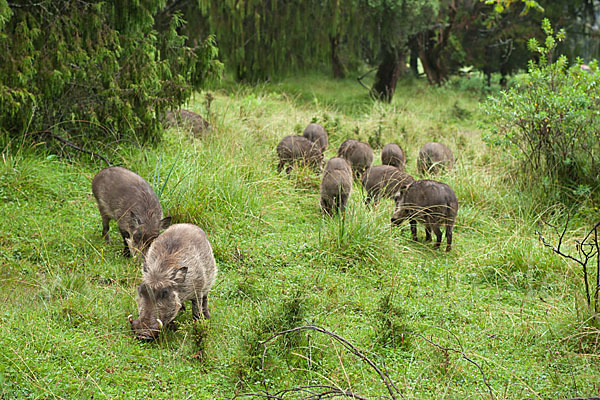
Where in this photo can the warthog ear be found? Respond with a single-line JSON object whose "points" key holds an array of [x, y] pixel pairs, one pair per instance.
{"points": [[135, 219], [165, 222], [178, 275]]}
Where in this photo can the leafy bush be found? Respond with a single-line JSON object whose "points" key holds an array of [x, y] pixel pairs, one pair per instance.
{"points": [[94, 70], [552, 117]]}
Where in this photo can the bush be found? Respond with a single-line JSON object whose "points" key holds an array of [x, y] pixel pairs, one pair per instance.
{"points": [[94, 70], [551, 118]]}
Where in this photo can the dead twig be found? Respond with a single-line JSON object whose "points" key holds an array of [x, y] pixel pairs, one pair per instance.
{"points": [[360, 78], [462, 353], [73, 145], [316, 392], [587, 249]]}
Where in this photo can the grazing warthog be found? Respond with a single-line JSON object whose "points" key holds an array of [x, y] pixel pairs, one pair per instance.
{"points": [[187, 119], [126, 197], [433, 157], [430, 202], [298, 149], [392, 154], [358, 154], [179, 266], [316, 133], [384, 181], [346, 147], [336, 185]]}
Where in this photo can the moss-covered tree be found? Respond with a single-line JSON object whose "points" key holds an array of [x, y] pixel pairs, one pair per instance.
{"points": [[90, 70]]}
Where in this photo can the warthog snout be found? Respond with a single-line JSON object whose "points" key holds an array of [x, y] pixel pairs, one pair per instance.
{"points": [[145, 331]]}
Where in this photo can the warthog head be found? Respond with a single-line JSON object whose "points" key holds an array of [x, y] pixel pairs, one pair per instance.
{"points": [[158, 301]]}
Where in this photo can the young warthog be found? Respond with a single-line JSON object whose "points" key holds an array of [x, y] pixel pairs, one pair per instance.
{"points": [[187, 119], [294, 149], [430, 202], [126, 197], [179, 266], [346, 147], [384, 181], [433, 157], [358, 154], [316, 133], [336, 185], [392, 154]]}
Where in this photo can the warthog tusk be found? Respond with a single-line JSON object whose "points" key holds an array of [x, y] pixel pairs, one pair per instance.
{"points": [[160, 324], [130, 318]]}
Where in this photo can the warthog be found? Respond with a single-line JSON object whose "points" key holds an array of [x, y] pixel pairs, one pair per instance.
{"points": [[433, 157], [384, 181], [345, 147], [358, 154], [316, 133], [392, 154], [430, 202], [179, 266], [298, 149], [336, 185], [126, 197], [187, 119]]}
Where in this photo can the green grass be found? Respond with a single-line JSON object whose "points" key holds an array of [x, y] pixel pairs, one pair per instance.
{"points": [[499, 297]]}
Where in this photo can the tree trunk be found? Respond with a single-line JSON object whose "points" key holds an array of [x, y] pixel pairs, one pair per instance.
{"points": [[388, 72], [414, 56], [432, 45], [339, 71]]}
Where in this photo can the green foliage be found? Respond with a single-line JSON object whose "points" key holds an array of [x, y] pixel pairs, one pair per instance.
{"points": [[264, 39], [94, 71], [551, 118], [503, 5], [392, 329]]}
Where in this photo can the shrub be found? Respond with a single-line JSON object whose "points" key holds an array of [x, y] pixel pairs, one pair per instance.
{"points": [[94, 70], [551, 119]]}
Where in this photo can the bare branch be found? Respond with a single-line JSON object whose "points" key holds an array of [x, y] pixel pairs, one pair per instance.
{"points": [[462, 353], [360, 78], [587, 249], [73, 145], [327, 391]]}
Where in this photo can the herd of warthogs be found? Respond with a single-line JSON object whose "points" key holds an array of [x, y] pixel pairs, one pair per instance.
{"points": [[431, 202], [178, 264]]}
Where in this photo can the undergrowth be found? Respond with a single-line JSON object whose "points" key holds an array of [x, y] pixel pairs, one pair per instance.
{"points": [[499, 297]]}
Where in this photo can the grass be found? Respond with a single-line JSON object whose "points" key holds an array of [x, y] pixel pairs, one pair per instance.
{"points": [[502, 299]]}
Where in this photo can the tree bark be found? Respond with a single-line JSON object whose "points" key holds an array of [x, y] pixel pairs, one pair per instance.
{"points": [[388, 73], [431, 58], [414, 56], [339, 71]]}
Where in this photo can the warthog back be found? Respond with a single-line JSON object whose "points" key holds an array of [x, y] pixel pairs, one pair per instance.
{"points": [[433, 157], [392, 154], [298, 149], [316, 133], [346, 147], [361, 158], [430, 202], [336, 185], [179, 266], [358, 154], [187, 119], [384, 181], [126, 197]]}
